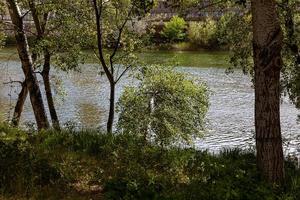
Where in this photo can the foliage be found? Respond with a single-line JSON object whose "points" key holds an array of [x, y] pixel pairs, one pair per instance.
{"points": [[127, 168], [166, 106], [21, 169], [147, 172], [64, 35], [235, 31], [87, 141], [290, 18], [174, 30], [203, 33]]}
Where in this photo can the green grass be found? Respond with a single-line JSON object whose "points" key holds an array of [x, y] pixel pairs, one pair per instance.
{"points": [[8, 53], [88, 164], [200, 58]]}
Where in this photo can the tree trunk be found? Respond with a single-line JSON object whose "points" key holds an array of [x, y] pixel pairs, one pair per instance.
{"points": [[46, 79], [19, 106], [111, 114], [26, 60], [267, 45]]}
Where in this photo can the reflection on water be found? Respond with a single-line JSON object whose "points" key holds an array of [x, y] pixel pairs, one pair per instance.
{"points": [[230, 120], [89, 114]]}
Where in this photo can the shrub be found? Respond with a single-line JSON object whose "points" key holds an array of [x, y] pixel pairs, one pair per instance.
{"points": [[174, 30], [166, 107], [203, 33], [148, 172]]}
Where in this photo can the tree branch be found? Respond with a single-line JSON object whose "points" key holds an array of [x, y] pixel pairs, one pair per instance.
{"points": [[98, 14], [25, 14], [123, 73], [12, 82]]}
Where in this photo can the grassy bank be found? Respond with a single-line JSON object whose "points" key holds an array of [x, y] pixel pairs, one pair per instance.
{"points": [[203, 58], [90, 165]]}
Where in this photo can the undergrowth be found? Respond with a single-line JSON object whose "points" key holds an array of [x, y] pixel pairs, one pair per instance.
{"points": [[88, 164]]}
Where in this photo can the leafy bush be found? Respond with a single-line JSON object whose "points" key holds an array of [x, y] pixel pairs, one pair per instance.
{"points": [[148, 172], [203, 33], [166, 107], [174, 30]]}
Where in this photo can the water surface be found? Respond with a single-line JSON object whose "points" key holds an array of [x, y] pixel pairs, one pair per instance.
{"points": [[230, 121]]}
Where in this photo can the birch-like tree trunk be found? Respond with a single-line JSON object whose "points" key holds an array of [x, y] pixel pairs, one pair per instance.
{"points": [[27, 67]]}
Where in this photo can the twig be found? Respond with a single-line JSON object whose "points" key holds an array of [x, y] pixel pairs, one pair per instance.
{"points": [[12, 82], [122, 74]]}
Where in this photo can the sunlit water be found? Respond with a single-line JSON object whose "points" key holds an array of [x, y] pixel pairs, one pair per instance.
{"points": [[230, 121]]}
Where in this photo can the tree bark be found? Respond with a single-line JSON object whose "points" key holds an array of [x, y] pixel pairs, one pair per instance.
{"points": [[111, 114], [267, 45], [20, 105], [26, 60], [49, 96]]}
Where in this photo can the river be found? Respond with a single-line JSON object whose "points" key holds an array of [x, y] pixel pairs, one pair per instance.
{"points": [[230, 121]]}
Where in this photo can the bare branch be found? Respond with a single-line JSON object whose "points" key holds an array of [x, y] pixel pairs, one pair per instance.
{"points": [[120, 35], [12, 82], [212, 4], [25, 14], [123, 73]]}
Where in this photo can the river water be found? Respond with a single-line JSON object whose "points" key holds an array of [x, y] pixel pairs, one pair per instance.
{"points": [[230, 121]]}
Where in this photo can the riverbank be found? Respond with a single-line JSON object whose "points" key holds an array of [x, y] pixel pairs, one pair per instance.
{"points": [[88, 164], [173, 57]]}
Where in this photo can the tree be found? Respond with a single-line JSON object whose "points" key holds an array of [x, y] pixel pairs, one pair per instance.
{"points": [[55, 37], [166, 107], [238, 35], [174, 30], [27, 66], [112, 18], [267, 46]]}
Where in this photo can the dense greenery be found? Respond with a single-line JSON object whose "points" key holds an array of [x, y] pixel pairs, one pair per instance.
{"points": [[203, 34], [174, 107], [61, 164], [174, 30]]}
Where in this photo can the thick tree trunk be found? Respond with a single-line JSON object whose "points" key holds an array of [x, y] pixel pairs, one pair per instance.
{"points": [[46, 79], [111, 114], [26, 60], [267, 45], [19, 105]]}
